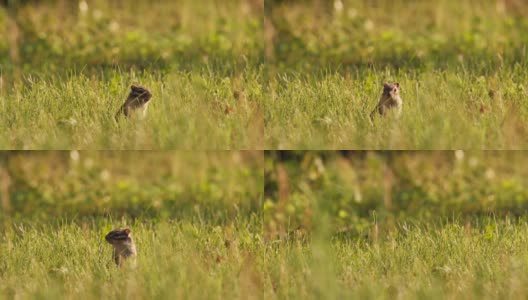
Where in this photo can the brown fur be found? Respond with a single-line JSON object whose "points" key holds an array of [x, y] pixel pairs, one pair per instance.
{"points": [[124, 247], [390, 99], [138, 100]]}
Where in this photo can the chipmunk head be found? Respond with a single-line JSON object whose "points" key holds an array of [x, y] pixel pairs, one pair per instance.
{"points": [[391, 89], [119, 236], [141, 93]]}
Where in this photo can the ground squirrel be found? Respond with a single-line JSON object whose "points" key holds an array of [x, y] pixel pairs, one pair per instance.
{"points": [[390, 98], [124, 247], [136, 102]]}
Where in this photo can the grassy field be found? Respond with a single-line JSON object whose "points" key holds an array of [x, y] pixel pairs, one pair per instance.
{"points": [[201, 60], [414, 261], [278, 225], [461, 65], [182, 259], [395, 225], [197, 228]]}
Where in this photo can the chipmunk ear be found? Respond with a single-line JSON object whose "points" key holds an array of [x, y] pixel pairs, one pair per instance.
{"points": [[386, 85], [397, 84], [127, 231], [134, 87]]}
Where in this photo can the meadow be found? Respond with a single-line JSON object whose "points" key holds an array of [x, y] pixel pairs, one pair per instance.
{"points": [[77, 60], [415, 261], [198, 230], [461, 66], [395, 225]]}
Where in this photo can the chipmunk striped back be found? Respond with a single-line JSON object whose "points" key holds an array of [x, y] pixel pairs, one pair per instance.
{"points": [[124, 247], [137, 102]]}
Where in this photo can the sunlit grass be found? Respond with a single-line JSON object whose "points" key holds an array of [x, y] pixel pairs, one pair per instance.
{"points": [[77, 66], [414, 261], [460, 65], [395, 225], [176, 259], [188, 110], [442, 110], [195, 218]]}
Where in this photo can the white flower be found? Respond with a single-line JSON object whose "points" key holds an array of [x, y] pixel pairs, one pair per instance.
{"points": [[83, 7], [114, 26], [459, 154], [74, 155], [490, 174], [369, 25], [338, 5], [105, 175]]}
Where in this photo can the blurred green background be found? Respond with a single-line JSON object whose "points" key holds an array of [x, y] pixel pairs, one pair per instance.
{"points": [[212, 187], [356, 190], [409, 34], [58, 35]]}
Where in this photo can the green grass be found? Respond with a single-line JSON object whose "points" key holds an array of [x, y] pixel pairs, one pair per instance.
{"points": [[461, 67], [395, 225], [176, 259], [76, 68], [196, 219], [187, 112], [413, 261]]}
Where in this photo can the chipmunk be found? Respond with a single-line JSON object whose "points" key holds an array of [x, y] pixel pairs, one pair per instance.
{"points": [[390, 98], [137, 101], [124, 247]]}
